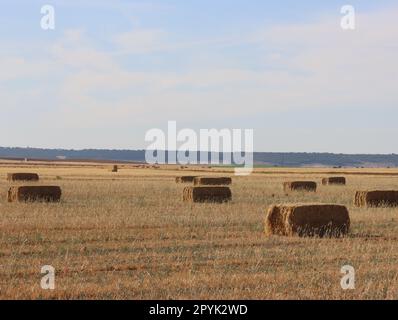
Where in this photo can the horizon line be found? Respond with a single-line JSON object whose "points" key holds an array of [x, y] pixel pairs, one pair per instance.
{"points": [[124, 149]]}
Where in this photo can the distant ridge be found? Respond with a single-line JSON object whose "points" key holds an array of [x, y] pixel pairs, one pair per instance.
{"points": [[260, 158]]}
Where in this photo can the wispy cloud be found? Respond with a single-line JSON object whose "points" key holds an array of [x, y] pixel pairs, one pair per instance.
{"points": [[280, 68]]}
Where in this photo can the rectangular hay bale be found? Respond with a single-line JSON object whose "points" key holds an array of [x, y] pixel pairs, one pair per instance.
{"points": [[212, 181], [185, 179], [307, 220], [334, 181], [34, 193], [22, 176], [309, 186], [377, 198], [207, 194]]}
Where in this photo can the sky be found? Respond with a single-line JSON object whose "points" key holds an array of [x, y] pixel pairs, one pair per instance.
{"points": [[112, 70]]}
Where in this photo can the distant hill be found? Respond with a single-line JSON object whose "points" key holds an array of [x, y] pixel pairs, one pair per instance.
{"points": [[260, 158], [59, 154], [326, 159]]}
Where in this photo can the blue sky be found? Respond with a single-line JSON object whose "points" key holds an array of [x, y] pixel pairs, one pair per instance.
{"points": [[112, 70]]}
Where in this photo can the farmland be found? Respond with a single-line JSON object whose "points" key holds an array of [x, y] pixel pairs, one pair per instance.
{"points": [[129, 235]]}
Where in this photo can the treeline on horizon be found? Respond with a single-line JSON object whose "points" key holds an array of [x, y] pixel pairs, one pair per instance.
{"points": [[260, 158]]}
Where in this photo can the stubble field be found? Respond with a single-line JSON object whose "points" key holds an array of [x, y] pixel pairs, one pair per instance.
{"points": [[129, 235]]}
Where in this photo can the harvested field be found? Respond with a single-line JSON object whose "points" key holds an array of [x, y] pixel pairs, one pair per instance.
{"points": [[207, 194], [334, 181], [212, 181], [34, 193], [22, 177], [381, 198], [307, 220], [130, 236], [308, 186]]}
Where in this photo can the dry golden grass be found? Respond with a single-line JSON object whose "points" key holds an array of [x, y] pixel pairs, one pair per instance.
{"points": [[130, 236]]}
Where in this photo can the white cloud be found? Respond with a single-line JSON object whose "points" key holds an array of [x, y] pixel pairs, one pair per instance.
{"points": [[141, 41], [13, 68], [76, 50]]}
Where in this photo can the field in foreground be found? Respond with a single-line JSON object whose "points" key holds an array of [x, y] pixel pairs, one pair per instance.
{"points": [[128, 235]]}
